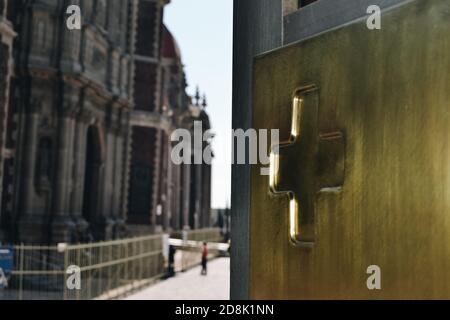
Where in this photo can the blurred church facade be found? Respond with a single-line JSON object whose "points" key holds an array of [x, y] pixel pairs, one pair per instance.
{"points": [[85, 123]]}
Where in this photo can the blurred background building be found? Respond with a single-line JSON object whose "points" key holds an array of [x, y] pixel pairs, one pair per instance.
{"points": [[85, 123], [222, 220]]}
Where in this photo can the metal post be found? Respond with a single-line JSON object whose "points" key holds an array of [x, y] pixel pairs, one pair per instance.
{"points": [[125, 276], [89, 272], [110, 252], [21, 272], [79, 264], [66, 265], [100, 271], [140, 260]]}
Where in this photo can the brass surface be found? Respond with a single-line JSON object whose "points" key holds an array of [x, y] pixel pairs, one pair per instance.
{"points": [[317, 158], [367, 161]]}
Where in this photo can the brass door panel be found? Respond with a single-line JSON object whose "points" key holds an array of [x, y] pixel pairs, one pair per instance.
{"points": [[362, 176]]}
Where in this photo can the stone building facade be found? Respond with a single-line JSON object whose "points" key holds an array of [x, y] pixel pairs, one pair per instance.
{"points": [[7, 36], [71, 149], [179, 195]]}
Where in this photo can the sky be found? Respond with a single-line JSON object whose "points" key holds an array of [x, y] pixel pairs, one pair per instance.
{"points": [[203, 30]]}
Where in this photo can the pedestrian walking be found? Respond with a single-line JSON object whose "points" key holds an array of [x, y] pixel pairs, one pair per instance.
{"points": [[171, 266], [204, 259]]}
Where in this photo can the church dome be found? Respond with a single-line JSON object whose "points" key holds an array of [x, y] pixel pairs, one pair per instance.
{"points": [[170, 48]]}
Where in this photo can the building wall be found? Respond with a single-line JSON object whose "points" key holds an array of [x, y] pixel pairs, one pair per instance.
{"points": [[72, 103], [163, 196], [86, 121], [7, 36], [145, 163]]}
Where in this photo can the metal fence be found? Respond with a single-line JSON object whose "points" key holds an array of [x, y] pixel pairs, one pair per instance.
{"points": [[106, 268]]}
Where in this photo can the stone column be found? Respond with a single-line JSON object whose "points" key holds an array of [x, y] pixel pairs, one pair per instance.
{"points": [[117, 189], [7, 36], [156, 181], [108, 180], [30, 225], [78, 178], [206, 196], [186, 195], [62, 223], [104, 222], [169, 187], [198, 196], [176, 186], [126, 158]]}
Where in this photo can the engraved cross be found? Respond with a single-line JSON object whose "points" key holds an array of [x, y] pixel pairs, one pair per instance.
{"points": [[308, 163]]}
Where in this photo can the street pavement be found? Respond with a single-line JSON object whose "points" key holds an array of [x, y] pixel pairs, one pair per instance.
{"points": [[190, 285]]}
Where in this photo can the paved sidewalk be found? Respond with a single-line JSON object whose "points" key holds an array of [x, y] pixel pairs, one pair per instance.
{"points": [[191, 285]]}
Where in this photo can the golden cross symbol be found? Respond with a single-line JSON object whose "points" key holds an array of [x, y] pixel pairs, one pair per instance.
{"points": [[308, 163]]}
